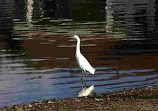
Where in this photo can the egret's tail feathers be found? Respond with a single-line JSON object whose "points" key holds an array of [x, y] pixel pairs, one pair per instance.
{"points": [[93, 71]]}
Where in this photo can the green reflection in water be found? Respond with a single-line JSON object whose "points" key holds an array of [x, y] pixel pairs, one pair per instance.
{"points": [[22, 53], [86, 10]]}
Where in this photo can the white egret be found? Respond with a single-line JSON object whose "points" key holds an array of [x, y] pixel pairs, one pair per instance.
{"points": [[81, 60]]}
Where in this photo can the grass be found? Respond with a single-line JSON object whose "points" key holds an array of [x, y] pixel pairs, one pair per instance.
{"points": [[63, 107], [114, 107]]}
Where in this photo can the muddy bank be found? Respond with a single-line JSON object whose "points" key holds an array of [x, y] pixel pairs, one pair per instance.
{"points": [[142, 99]]}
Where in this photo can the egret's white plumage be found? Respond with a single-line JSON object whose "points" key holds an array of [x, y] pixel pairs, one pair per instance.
{"points": [[81, 60]]}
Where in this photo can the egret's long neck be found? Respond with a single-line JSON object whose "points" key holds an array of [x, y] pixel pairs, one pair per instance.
{"points": [[78, 46]]}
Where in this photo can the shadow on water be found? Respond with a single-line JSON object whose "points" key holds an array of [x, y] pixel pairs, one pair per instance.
{"points": [[37, 54]]}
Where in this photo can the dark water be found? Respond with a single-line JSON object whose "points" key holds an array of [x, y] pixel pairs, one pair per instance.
{"points": [[37, 54]]}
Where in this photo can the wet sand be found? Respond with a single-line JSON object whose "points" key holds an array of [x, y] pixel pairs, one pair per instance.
{"points": [[138, 99]]}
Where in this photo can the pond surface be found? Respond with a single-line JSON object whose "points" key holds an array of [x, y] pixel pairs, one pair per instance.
{"points": [[37, 55]]}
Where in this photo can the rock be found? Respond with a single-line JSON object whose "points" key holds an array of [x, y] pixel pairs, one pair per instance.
{"points": [[50, 102], [98, 99], [29, 105]]}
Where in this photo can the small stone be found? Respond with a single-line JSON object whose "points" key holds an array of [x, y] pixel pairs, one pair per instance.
{"points": [[98, 99], [77, 100], [50, 102], [29, 105], [19, 109], [36, 103]]}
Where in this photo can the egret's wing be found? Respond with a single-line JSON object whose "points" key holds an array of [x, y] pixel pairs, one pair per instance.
{"points": [[84, 64]]}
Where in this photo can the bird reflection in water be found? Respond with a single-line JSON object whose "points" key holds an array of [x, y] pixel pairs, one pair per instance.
{"points": [[85, 91]]}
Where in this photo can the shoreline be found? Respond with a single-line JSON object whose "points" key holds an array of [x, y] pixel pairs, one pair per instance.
{"points": [[142, 98]]}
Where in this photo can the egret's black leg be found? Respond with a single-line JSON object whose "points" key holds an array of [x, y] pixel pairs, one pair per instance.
{"points": [[84, 72], [84, 85], [82, 80], [82, 75]]}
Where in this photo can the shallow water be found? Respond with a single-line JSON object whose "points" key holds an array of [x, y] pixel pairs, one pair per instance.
{"points": [[37, 54]]}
